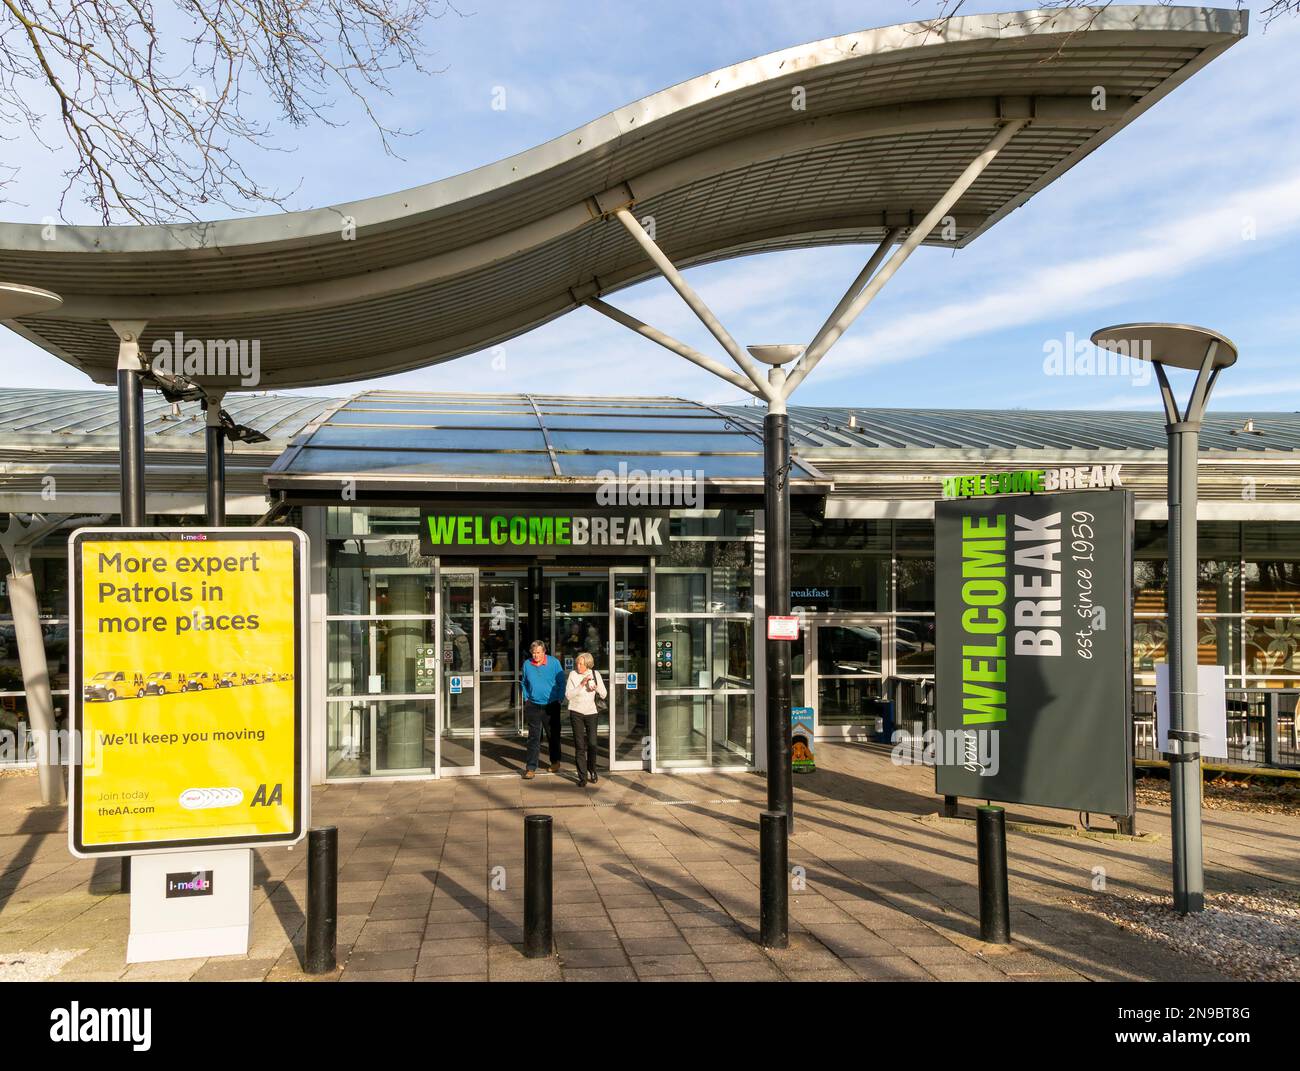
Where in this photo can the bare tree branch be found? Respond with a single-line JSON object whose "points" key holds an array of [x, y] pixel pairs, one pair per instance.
{"points": [[151, 138]]}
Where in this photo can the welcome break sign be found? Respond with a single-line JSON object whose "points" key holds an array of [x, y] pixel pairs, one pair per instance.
{"points": [[1034, 653]]}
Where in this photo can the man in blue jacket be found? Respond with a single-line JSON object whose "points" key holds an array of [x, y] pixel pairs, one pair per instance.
{"points": [[542, 686]]}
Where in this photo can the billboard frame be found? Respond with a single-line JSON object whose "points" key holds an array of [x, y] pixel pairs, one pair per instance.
{"points": [[76, 714]]}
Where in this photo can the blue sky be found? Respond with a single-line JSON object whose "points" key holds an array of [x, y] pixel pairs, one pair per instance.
{"points": [[1192, 214]]}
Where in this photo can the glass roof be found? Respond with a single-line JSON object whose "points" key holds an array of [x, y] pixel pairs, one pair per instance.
{"points": [[539, 437]]}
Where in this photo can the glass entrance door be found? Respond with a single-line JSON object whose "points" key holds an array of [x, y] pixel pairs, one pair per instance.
{"points": [[458, 711], [580, 622], [848, 675], [628, 673], [500, 710]]}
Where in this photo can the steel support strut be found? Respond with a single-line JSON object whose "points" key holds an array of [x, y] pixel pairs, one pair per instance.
{"points": [[696, 303], [669, 343], [831, 333]]}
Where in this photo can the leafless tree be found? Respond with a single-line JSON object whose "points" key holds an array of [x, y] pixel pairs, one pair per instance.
{"points": [[157, 106]]}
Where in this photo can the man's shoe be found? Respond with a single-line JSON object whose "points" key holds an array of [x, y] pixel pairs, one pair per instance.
{"points": [[592, 778], [554, 767], [529, 774]]}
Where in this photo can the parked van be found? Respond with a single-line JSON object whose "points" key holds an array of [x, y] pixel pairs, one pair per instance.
{"points": [[106, 686]]}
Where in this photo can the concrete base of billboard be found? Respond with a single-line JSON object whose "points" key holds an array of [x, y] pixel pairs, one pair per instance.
{"points": [[191, 904]]}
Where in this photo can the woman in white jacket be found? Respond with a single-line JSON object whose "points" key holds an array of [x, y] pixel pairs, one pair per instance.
{"points": [[583, 686]]}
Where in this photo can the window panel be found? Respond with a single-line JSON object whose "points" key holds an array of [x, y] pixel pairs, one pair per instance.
{"points": [[914, 645], [1272, 645], [827, 582], [394, 652]]}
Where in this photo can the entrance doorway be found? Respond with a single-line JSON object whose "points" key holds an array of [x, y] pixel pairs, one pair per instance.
{"points": [[484, 638], [458, 707], [630, 730]]}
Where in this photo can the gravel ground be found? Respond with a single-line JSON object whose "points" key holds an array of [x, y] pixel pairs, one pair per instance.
{"points": [[34, 966], [1224, 794], [1252, 937]]}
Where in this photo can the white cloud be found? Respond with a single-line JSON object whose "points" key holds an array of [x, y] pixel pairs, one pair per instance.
{"points": [[1158, 254]]}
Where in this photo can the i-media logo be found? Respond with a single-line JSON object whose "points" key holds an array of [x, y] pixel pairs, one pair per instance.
{"points": [[189, 884]]}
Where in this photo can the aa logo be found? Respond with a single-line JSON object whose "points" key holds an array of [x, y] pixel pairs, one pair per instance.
{"points": [[271, 799]]}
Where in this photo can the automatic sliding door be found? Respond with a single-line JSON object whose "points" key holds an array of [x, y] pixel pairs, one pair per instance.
{"points": [[630, 686], [498, 656], [458, 719]]}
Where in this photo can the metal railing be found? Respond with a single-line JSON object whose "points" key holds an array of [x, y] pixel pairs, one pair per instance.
{"points": [[1262, 728]]}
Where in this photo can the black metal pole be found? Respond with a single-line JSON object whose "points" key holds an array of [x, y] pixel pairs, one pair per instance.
{"points": [[773, 888], [774, 885], [130, 445], [776, 594], [216, 457], [995, 902], [130, 442], [538, 922], [321, 954]]}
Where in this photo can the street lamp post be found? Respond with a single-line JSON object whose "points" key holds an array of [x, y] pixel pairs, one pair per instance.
{"points": [[1205, 352], [776, 574], [774, 921]]}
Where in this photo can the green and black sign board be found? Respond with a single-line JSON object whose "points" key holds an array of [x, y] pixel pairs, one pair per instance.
{"points": [[475, 530], [1034, 652]]}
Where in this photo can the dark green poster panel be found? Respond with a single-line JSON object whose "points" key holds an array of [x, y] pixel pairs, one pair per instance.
{"points": [[1034, 653]]}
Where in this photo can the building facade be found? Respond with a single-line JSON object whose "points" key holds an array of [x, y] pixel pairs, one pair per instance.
{"points": [[448, 531]]}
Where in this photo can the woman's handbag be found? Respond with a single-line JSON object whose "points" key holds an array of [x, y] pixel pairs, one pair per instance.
{"points": [[602, 703]]}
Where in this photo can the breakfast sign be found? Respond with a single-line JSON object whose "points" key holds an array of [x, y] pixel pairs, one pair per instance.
{"points": [[188, 688]]}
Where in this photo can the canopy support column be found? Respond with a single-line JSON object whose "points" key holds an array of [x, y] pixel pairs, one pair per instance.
{"points": [[776, 454]]}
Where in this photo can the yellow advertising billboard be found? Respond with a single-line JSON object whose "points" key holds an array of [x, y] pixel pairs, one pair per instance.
{"points": [[188, 688]]}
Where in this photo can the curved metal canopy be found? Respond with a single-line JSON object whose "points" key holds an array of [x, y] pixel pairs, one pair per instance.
{"points": [[841, 140]]}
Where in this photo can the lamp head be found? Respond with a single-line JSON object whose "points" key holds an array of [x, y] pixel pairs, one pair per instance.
{"points": [[1175, 345], [775, 355], [18, 300]]}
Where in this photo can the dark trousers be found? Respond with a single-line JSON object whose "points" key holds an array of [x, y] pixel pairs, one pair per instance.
{"points": [[584, 742], [535, 717]]}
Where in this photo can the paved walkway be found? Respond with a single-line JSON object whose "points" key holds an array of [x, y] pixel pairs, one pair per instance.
{"points": [[655, 878]]}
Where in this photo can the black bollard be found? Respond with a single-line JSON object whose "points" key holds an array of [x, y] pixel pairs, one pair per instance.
{"points": [[995, 903], [538, 922], [774, 879], [322, 900]]}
